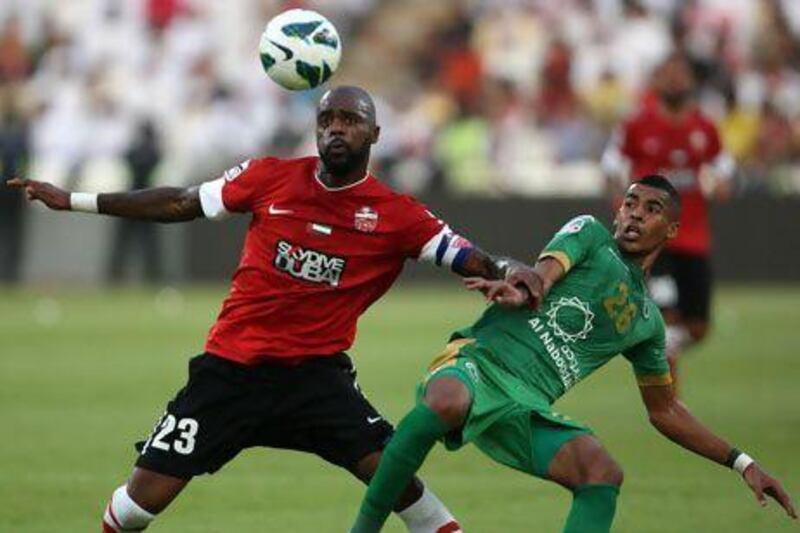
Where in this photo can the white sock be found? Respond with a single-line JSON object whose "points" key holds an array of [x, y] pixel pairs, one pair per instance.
{"points": [[428, 515], [677, 339], [124, 514]]}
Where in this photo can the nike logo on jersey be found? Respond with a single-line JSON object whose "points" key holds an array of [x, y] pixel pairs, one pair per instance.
{"points": [[373, 419], [320, 228], [276, 211]]}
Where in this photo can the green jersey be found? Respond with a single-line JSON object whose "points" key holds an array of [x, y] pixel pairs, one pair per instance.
{"points": [[599, 309]]}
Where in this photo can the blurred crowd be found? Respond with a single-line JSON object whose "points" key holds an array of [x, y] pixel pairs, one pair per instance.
{"points": [[476, 96], [522, 96]]}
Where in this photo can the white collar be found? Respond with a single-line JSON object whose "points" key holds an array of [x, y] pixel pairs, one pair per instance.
{"points": [[343, 187]]}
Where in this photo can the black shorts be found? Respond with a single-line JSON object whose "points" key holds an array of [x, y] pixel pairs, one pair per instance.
{"points": [[225, 407], [682, 283]]}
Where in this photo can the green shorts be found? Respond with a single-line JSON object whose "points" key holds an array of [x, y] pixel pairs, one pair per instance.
{"points": [[509, 421]]}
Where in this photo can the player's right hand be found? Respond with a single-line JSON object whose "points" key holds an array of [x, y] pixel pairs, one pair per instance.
{"points": [[498, 291], [763, 484], [50, 195]]}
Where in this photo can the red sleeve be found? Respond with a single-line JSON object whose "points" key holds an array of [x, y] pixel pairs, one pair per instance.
{"points": [[714, 142], [247, 185], [627, 139], [417, 226]]}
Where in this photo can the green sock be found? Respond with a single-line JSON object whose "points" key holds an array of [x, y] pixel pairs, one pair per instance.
{"points": [[415, 436], [592, 509]]}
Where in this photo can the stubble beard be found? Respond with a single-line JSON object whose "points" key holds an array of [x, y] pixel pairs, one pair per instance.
{"points": [[352, 161]]}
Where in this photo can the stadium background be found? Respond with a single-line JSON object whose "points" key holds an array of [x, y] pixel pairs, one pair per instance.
{"points": [[494, 112]]}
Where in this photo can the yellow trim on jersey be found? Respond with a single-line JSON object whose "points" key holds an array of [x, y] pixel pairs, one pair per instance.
{"points": [[561, 257], [652, 380], [449, 354]]}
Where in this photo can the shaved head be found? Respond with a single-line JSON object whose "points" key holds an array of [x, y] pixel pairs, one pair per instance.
{"points": [[346, 130], [352, 98]]}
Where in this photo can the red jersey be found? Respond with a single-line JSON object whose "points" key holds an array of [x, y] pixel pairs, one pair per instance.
{"points": [[314, 258], [677, 149]]}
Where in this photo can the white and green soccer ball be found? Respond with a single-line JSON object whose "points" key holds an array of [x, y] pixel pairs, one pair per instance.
{"points": [[300, 49]]}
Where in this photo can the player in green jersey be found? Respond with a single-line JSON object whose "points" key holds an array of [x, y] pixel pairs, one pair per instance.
{"points": [[584, 302]]}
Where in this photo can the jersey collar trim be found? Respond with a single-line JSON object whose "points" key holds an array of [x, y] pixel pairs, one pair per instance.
{"points": [[343, 187]]}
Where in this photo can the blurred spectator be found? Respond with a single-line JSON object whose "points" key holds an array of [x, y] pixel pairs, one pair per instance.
{"points": [[607, 101], [459, 67], [161, 13], [556, 99], [775, 147], [14, 154], [131, 236], [639, 41], [462, 148], [569, 69], [14, 59], [739, 130]]}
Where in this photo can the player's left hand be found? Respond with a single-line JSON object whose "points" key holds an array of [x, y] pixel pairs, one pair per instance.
{"points": [[526, 279], [763, 485], [53, 197], [498, 291]]}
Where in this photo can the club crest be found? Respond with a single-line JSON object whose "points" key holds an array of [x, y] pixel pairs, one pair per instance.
{"points": [[366, 219]]}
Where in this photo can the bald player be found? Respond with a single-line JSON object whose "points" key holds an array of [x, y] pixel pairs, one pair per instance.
{"points": [[326, 240]]}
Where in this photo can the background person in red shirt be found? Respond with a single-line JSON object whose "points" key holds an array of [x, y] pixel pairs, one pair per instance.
{"points": [[326, 240], [670, 135]]}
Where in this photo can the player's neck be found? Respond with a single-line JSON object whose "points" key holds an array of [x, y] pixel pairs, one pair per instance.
{"points": [[338, 180], [675, 113], [644, 261]]}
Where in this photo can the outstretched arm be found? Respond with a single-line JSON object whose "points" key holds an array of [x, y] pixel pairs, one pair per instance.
{"points": [[674, 421], [478, 263], [522, 285], [161, 204]]}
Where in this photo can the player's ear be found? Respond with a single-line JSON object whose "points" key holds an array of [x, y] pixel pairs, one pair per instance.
{"points": [[672, 229], [376, 133], [615, 222]]}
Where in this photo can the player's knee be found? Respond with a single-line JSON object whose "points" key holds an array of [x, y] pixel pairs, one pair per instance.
{"points": [[603, 469], [124, 514], [698, 330], [449, 399], [452, 411], [595, 466]]}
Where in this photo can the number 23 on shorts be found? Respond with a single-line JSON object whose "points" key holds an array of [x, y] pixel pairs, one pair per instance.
{"points": [[183, 443]]}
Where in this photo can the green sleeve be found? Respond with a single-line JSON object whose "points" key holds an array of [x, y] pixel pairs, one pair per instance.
{"points": [[649, 360], [576, 241]]}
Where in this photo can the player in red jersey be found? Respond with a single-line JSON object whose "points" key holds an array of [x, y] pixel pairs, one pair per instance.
{"points": [[670, 136], [326, 240]]}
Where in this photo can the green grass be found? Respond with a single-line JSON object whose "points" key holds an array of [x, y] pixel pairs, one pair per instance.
{"points": [[85, 374]]}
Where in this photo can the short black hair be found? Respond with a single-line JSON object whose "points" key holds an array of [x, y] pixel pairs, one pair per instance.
{"points": [[657, 181]]}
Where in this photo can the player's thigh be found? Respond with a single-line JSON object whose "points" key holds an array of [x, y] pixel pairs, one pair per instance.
{"points": [[153, 491], [205, 425], [582, 460], [523, 440], [663, 286], [326, 413], [695, 282]]}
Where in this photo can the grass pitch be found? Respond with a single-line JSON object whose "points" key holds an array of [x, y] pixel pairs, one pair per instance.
{"points": [[85, 374]]}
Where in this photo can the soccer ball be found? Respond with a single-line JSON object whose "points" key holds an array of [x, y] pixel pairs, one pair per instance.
{"points": [[300, 49]]}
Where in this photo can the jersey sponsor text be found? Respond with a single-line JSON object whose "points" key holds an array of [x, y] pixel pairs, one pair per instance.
{"points": [[308, 264]]}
